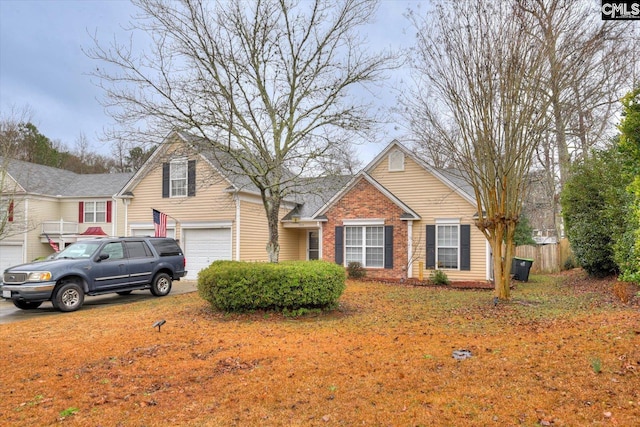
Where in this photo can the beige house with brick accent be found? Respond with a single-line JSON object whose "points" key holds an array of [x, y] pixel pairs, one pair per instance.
{"points": [[398, 217], [402, 219]]}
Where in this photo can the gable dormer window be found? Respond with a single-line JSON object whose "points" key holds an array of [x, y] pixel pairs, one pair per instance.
{"points": [[178, 178], [396, 161]]}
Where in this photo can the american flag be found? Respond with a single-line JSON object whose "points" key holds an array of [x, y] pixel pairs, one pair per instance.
{"points": [[53, 244], [160, 223]]}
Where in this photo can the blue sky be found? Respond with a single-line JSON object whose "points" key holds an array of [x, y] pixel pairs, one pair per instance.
{"points": [[42, 64]]}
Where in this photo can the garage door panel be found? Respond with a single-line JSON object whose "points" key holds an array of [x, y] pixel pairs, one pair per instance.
{"points": [[204, 246], [10, 255]]}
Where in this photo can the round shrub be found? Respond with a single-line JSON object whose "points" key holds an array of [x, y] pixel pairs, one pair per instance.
{"points": [[355, 270], [289, 285]]}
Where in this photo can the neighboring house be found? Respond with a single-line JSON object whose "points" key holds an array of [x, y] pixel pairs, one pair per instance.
{"points": [[398, 217], [48, 203]]}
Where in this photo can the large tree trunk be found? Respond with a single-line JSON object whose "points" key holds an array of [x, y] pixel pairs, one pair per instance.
{"points": [[272, 208], [502, 255]]}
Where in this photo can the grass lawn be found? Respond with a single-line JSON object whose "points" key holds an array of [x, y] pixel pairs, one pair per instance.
{"points": [[564, 351]]}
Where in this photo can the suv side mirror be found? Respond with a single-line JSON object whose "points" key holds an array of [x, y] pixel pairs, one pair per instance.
{"points": [[102, 257]]}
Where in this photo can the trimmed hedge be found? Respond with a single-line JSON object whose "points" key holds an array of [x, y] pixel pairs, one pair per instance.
{"points": [[289, 285]]}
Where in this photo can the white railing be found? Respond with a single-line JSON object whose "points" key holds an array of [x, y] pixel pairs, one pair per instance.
{"points": [[59, 227]]}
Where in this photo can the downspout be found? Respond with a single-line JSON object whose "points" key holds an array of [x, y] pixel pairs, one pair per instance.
{"points": [[26, 234], [114, 216], [409, 249], [319, 224], [126, 216], [236, 198]]}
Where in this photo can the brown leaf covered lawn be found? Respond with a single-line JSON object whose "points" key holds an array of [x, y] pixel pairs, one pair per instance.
{"points": [[564, 351]]}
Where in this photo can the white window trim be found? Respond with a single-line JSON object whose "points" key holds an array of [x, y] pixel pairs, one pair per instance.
{"points": [[363, 228], [396, 161], [363, 222], [445, 222], [95, 211], [181, 161]]}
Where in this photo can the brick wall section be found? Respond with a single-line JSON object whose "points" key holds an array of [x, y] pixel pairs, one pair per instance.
{"points": [[364, 201]]}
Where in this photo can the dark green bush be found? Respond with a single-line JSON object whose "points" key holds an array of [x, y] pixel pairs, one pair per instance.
{"points": [[290, 285], [438, 277], [594, 205], [355, 270]]}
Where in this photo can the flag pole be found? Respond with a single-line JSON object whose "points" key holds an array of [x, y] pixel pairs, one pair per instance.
{"points": [[173, 218]]}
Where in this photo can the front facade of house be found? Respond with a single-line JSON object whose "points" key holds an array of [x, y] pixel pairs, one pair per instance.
{"points": [[398, 218]]}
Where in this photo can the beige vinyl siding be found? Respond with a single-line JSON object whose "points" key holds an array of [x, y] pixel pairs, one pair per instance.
{"points": [[291, 245], [211, 202], [432, 199], [254, 232], [118, 219], [39, 210], [69, 211], [302, 241]]}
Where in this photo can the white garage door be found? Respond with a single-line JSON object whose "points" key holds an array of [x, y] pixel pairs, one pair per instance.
{"points": [[202, 246], [136, 232], [10, 255]]}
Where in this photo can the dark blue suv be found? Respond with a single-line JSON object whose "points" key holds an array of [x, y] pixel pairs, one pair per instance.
{"points": [[94, 267]]}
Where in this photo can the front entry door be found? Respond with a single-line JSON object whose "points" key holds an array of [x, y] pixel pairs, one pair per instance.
{"points": [[313, 245]]}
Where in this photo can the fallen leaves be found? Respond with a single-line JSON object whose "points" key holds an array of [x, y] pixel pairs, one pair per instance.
{"points": [[383, 358]]}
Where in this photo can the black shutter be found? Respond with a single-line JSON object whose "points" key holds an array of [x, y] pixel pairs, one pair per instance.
{"points": [[431, 247], [165, 180], [339, 245], [191, 178], [388, 246], [465, 247]]}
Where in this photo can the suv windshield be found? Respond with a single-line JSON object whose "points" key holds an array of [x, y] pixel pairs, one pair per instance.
{"points": [[79, 250]]}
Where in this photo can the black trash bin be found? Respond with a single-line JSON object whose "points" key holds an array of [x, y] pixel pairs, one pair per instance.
{"points": [[520, 268]]}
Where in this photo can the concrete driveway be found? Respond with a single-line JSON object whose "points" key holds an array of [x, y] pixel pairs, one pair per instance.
{"points": [[9, 313]]}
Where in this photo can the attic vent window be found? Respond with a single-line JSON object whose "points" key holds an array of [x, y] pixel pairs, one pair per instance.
{"points": [[396, 161]]}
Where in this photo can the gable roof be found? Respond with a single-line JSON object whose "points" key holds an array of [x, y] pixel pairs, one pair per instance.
{"points": [[236, 180], [408, 213], [307, 191], [49, 181], [315, 193], [452, 178]]}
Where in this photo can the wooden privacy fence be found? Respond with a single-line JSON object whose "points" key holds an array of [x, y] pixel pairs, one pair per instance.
{"points": [[546, 258]]}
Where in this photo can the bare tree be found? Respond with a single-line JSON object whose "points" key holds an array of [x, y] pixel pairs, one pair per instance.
{"points": [[480, 66], [12, 218], [590, 66], [266, 83]]}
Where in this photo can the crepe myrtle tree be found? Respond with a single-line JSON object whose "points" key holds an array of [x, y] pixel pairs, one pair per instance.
{"points": [[270, 84], [478, 69]]}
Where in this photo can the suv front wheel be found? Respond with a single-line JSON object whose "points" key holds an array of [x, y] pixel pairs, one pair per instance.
{"points": [[161, 285], [68, 297]]}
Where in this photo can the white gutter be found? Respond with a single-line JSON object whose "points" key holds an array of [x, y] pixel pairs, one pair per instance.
{"points": [[410, 249], [237, 200]]}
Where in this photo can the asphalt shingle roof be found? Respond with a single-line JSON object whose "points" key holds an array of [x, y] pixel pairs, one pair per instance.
{"points": [[50, 181]]}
